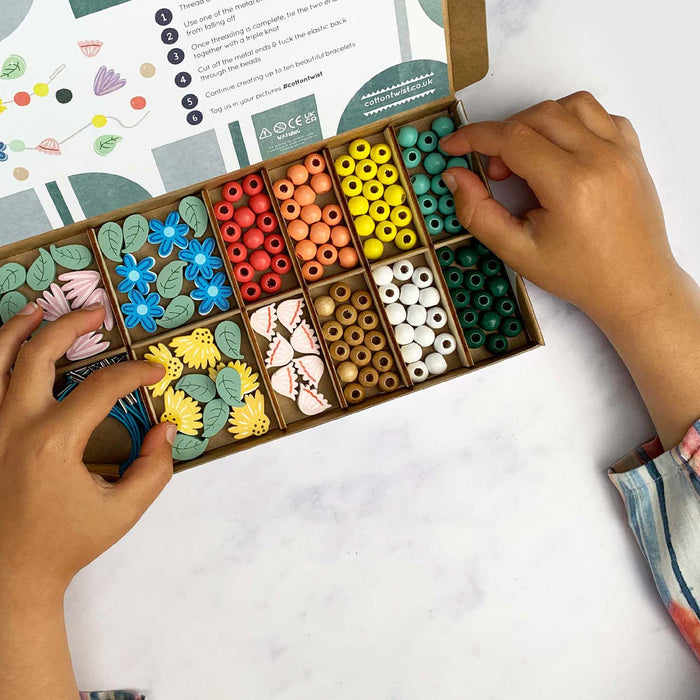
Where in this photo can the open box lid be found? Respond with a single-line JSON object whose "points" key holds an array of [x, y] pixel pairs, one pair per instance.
{"points": [[467, 42]]}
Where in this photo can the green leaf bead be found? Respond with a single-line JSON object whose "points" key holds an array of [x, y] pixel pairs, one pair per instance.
{"points": [[438, 186], [421, 183], [473, 281], [215, 417], [411, 157], [228, 384], [427, 141], [42, 272], [489, 321], [170, 279], [198, 386], [434, 224], [446, 204], [475, 338], [482, 301], [460, 298], [135, 232], [453, 225], [505, 306], [228, 339], [442, 126], [454, 277], [498, 286], [177, 313], [497, 344], [194, 214], [446, 256], [510, 327], [457, 162], [110, 239], [10, 304], [468, 318], [12, 276], [187, 447], [434, 163], [490, 265], [467, 256], [407, 136], [72, 257], [428, 204]]}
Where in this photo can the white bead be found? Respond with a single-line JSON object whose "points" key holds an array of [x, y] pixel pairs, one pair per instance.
{"points": [[436, 363], [404, 334], [383, 275], [424, 336], [389, 293], [445, 344], [409, 294], [416, 315], [403, 270], [429, 297], [418, 372], [396, 314], [422, 277], [436, 317], [411, 353]]}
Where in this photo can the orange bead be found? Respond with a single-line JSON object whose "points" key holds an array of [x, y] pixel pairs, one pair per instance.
{"points": [[312, 271], [327, 254], [283, 189], [340, 236], [305, 250], [320, 233], [304, 195], [298, 174], [332, 214], [290, 210], [298, 230], [315, 163], [311, 213], [321, 183], [347, 257]]}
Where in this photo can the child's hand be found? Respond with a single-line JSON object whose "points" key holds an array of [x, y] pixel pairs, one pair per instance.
{"points": [[55, 517], [599, 238]]}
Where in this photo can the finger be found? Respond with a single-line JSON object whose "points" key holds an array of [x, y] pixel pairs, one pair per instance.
{"points": [[627, 131], [592, 114], [497, 170], [35, 369], [89, 403], [488, 220], [12, 335]]}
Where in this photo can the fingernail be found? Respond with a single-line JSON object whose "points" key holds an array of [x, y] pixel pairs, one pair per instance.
{"points": [[170, 433], [158, 365], [92, 307], [28, 310], [446, 139], [450, 181]]}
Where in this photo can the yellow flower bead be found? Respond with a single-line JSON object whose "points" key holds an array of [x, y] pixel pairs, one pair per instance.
{"points": [[373, 190], [395, 195], [344, 166], [406, 239], [99, 120], [41, 89], [351, 185], [387, 174], [358, 206], [380, 153], [401, 216], [379, 210], [364, 225], [373, 248], [385, 231], [359, 149], [366, 170]]}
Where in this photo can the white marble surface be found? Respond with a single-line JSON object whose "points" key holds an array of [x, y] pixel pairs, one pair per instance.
{"points": [[466, 543]]}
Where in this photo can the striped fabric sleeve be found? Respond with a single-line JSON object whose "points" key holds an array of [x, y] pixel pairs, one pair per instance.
{"points": [[662, 496], [112, 695]]}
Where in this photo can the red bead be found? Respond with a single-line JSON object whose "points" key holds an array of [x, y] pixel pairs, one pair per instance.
{"points": [[232, 191], [223, 210], [251, 291], [260, 203], [230, 232], [243, 272], [138, 102], [271, 283], [252, 184], [236, 252], [253, 238], [274, 243], [260, 260], [267, 222], [22, 99], [281, 264], [244, 217]]}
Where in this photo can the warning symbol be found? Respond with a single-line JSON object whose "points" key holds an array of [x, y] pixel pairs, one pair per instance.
{"points": [[265, 134]]}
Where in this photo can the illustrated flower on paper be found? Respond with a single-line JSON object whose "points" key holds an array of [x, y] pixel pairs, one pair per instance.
{"points": [[200, 259], [142, 310], [3, 146], [182, 411], [107, 81], [168, 234], [250, 419], [198, 349], [2, 107], [249, 379], [137, 275], [161, 355], [212, 293]]}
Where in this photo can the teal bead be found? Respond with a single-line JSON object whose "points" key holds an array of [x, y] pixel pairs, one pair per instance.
{"points": [[434, 224], [407, 137], [482, 301], [475, 338], [446, 256], [428, 204], [434, 163], [497, 344], [468, 318], [510, 327], [454, 277], [446, 204], [498, 286], [438, 186], [442, 126], [17, 146], [421, 183], [466, 256], [453, 225], [504, 306], [457, 162], [489, 321], [490, 265], [481, 249], [411, 157], [474, 280], [460, 298], [427, 141]]}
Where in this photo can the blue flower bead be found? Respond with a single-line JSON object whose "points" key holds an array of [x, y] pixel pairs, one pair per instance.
{"points": [[212, 293], [168, 234], [201, 262], [137, 275], [142, 310]]}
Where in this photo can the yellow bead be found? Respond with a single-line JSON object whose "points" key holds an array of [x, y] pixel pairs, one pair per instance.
{"points": [[351, 185], [344, 166], [99, 120], [379, 210], [358, 205], [359, 149], [373, 190], [401, 216], [395, 195], [41, 89], [406, 239], [364, 225], [366, 170], [374, 249], [387, 174], [385, 231], [380, 153]]}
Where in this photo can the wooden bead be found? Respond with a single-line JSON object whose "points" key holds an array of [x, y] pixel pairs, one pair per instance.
{"points": [[367, 320], [361, 300], [388, 381], [347, 257], [354, 335], [375, 341], [311, 213], [305, 250], [283, 189], [368, 377], [347, 371], [321, 183], [298, 230], [304, 195], [332, 331], [327, 254], [312, 271], [340, 351], [315, 163], [354, 393], [361, 356], [340, 236], [382, 361], [346, 314], [325, 306], [340, 292], [298, 174]]}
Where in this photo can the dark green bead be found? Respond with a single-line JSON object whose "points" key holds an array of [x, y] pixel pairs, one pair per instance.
{"points": [[482, 301], [421, 183], [434, 163], [435, 224], [453, 225], [446, 256], [497, 344], [427, 141], [510, 327], [489, 320], [475, 338], [407, 137], [460, 298], [505, 306], [427, 203], [411, 157], [442, 126], [437, 186], [467, 256], [454, 277], [481, 249], [457, 162], [490, 265], [473, 280], [468, 318], [446, 205], [498, 286]]}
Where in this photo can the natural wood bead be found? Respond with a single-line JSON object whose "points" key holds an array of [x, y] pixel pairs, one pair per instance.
{"points": [[346, 314], [361, 355], [375, 341], [388, 381], [368, 320], [368, 377], [340, 292], [347, 371], [325, 306], [340, 351], [354, 335], [361, 300], [332, 330], [382, 361], [354, 393]]}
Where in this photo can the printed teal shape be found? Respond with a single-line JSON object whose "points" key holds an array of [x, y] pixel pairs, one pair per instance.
{"points": [[13, 15], [22, 215], [101, 192], [433, 8], [82, 8], [395, 90]]}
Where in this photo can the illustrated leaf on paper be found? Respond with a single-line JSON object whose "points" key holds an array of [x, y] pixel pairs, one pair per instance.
{"points": [[178, 312], [12, 276], [198, 386], [187, 447], [111, 241], [170, 280], [104, 145], [14, 67], [42, 271], [228, 338], [194, 214], [10, 304], [228, 384], [216, 414], [72, 257], [135, 232]]}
